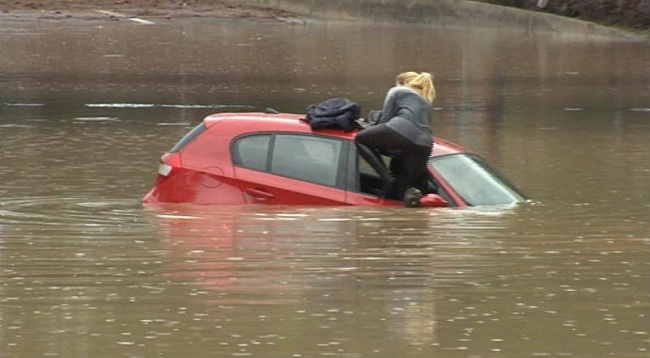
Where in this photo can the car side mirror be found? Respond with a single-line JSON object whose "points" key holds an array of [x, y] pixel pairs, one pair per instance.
{"points": [[433, 201]]}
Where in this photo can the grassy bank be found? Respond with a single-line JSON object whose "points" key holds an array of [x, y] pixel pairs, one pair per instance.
{"points": [[632, 14]]}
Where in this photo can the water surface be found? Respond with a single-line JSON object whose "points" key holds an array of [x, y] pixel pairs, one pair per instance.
{"points": [[86, 270]]}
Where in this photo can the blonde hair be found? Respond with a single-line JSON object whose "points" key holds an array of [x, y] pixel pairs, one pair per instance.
{"points": [[403, 78], [422, 83]]}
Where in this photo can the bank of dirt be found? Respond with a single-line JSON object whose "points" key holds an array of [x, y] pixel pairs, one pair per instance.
{"points": [[292, 12], [122, 10], [630, 14]]}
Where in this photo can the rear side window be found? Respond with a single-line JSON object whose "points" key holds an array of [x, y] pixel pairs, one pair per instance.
{"points": [[252, 151], [312, 159], [309, 158], [195, 132]]}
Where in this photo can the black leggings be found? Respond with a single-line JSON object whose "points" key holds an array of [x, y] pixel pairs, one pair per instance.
{"points": [[414, 157]]}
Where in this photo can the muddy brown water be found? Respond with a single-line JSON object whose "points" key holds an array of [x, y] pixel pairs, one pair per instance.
{"points": [[87, 271]]}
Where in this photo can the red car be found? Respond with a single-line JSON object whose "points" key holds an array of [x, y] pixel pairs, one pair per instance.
{"points": [[276, 158]]}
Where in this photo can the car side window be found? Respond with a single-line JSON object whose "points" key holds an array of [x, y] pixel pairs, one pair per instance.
{"points": [[252, 151], [310, 158]]}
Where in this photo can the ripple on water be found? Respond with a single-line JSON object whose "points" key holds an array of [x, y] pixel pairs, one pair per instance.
{"points": [[76, 211], [443, 279]]}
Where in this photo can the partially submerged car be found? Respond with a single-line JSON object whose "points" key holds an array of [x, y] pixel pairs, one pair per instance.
{"points": [[277, 158]]}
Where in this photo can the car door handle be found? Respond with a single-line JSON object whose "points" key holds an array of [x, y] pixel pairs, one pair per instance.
{"points": [[259, 193]]}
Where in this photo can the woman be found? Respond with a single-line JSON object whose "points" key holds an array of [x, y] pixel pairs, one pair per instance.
{"points": [[404, 77], [404, 128]]}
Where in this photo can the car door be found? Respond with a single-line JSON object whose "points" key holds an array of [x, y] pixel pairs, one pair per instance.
{"points": [[364, 182], [290, 168]]}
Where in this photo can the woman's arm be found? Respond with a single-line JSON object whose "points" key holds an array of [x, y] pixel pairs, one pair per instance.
{"points": [[389, 110]]}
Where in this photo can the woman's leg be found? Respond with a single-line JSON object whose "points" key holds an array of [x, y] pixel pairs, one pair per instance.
{"points": [[415, 157], [374, 160], [368, 141], [380, 137], [415, 163], [415, 167]]}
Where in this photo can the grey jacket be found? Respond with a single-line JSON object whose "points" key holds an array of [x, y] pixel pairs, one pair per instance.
{"points": [[408, 114]]}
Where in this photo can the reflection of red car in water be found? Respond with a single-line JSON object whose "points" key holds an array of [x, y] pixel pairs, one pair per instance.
{"points": [[276, 158], [223, 248], [203, 246]]}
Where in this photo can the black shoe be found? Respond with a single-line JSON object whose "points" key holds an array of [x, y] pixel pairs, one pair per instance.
{"points": [[412, 198]]}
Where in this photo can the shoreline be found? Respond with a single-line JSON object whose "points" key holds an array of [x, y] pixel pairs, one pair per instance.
{"points": [[171, 11], [143, 11]]}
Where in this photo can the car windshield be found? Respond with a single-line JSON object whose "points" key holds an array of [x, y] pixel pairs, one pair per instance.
{"points": [[475, 181]]}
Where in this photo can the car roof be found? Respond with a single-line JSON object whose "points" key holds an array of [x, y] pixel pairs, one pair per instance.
{"points": [[292, 122]]}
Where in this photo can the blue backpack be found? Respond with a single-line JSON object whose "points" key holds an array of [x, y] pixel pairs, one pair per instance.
{"points": [[336, 112]]}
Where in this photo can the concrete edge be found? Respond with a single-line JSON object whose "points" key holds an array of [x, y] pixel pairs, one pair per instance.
{"points": [[446, 13]]}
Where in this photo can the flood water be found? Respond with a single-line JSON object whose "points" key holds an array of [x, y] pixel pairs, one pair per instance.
{"points": [[86, 270]]}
